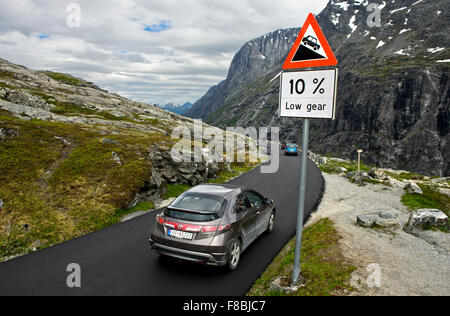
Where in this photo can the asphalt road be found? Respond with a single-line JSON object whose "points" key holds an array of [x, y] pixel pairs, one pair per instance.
{"points": [[117, 260]]}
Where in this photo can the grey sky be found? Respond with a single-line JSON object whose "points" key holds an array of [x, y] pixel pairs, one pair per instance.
{"points": [[151, 51]]}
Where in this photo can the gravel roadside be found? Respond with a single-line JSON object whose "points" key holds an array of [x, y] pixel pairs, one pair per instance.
{"points": [[409, 265]]}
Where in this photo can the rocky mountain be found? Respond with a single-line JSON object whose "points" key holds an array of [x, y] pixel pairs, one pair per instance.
{"points": [[393, 87], [177, 108], [75, 158]]}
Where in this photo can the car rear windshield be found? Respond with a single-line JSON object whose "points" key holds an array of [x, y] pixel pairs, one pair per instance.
{"points": [[292, 146], [196, 207]]}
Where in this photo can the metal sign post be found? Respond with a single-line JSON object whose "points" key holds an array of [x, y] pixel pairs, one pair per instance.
{"points": [[307, 94], [301, 202]]}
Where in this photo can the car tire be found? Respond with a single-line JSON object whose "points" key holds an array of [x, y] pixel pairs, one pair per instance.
{"points": [[234, 255], [271, 224]]}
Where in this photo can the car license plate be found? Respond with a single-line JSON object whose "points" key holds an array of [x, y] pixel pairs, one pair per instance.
{"points": [[180, 234]]}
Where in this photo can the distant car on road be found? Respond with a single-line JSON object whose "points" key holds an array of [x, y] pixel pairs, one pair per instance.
{"points": [[291, 149], [311, 41], [212, 224]]}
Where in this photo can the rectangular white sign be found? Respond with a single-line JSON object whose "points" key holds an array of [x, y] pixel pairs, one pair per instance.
{"points": [[308, 94]]}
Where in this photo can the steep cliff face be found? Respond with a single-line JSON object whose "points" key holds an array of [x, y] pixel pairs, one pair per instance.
{"points": [[256, 58], [393, 89]]}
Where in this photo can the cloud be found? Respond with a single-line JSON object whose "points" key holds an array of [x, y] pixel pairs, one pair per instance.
{"points": [[150, 51]]}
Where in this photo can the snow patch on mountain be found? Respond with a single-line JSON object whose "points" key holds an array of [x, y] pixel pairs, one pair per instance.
{"points": [[397, 10], [342, 5], [435, 50], [380, 44]]}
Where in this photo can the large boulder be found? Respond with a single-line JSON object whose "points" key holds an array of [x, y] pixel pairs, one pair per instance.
{"points": [[382, 219], [444, 191], [413, 188], [284, 285], [137, 198], [156, 179], [426, 217], [377, 174], [187, 169], [395, 183], [169, 174], [213, 169], [186, 176], [314, 157], [322, 160], [27, 99], [199, 178], [155, 155], [359, 178], [341, 169]]}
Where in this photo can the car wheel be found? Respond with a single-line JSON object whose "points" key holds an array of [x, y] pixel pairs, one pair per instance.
{"points": [[234, 255], [271, 225]]}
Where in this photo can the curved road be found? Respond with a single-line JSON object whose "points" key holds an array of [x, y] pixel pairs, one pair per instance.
{"points": [[117, 260]]}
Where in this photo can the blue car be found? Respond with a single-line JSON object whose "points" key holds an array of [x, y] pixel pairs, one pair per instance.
{"points": [[291, 149]]}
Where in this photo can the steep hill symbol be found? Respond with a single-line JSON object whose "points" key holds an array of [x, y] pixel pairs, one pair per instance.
{"points": [[307, 50]]}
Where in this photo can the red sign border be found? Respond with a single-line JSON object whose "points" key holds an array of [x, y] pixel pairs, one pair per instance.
{"points": [[329, 61]]}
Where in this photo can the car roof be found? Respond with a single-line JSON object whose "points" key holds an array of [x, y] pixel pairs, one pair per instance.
{"points": [[221, 190]]}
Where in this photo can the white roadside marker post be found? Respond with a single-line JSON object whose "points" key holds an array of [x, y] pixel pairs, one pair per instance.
{"points": [[359, 160]]}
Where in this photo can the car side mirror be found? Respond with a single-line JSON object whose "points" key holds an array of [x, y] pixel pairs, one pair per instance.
{"points": [[268, 201]]}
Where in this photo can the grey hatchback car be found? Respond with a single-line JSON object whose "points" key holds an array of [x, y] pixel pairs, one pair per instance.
{"points": [[212, 224]]}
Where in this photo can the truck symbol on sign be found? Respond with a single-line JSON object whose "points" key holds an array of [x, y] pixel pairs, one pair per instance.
{"points": [[311, 41]]}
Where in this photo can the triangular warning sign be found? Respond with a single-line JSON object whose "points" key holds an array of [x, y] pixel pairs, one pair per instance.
{"points": [[311, 48]]}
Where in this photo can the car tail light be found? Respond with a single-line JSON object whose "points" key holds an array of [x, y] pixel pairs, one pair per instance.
{"points": [[215, 228], [160, 219], [209, 229], [224, 227]]}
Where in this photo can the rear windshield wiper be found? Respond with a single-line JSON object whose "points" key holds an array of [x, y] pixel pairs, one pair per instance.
{"points": [[191, 211]]}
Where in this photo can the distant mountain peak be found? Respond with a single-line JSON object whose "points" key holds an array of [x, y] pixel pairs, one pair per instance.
{"points": [[176, 107]]}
